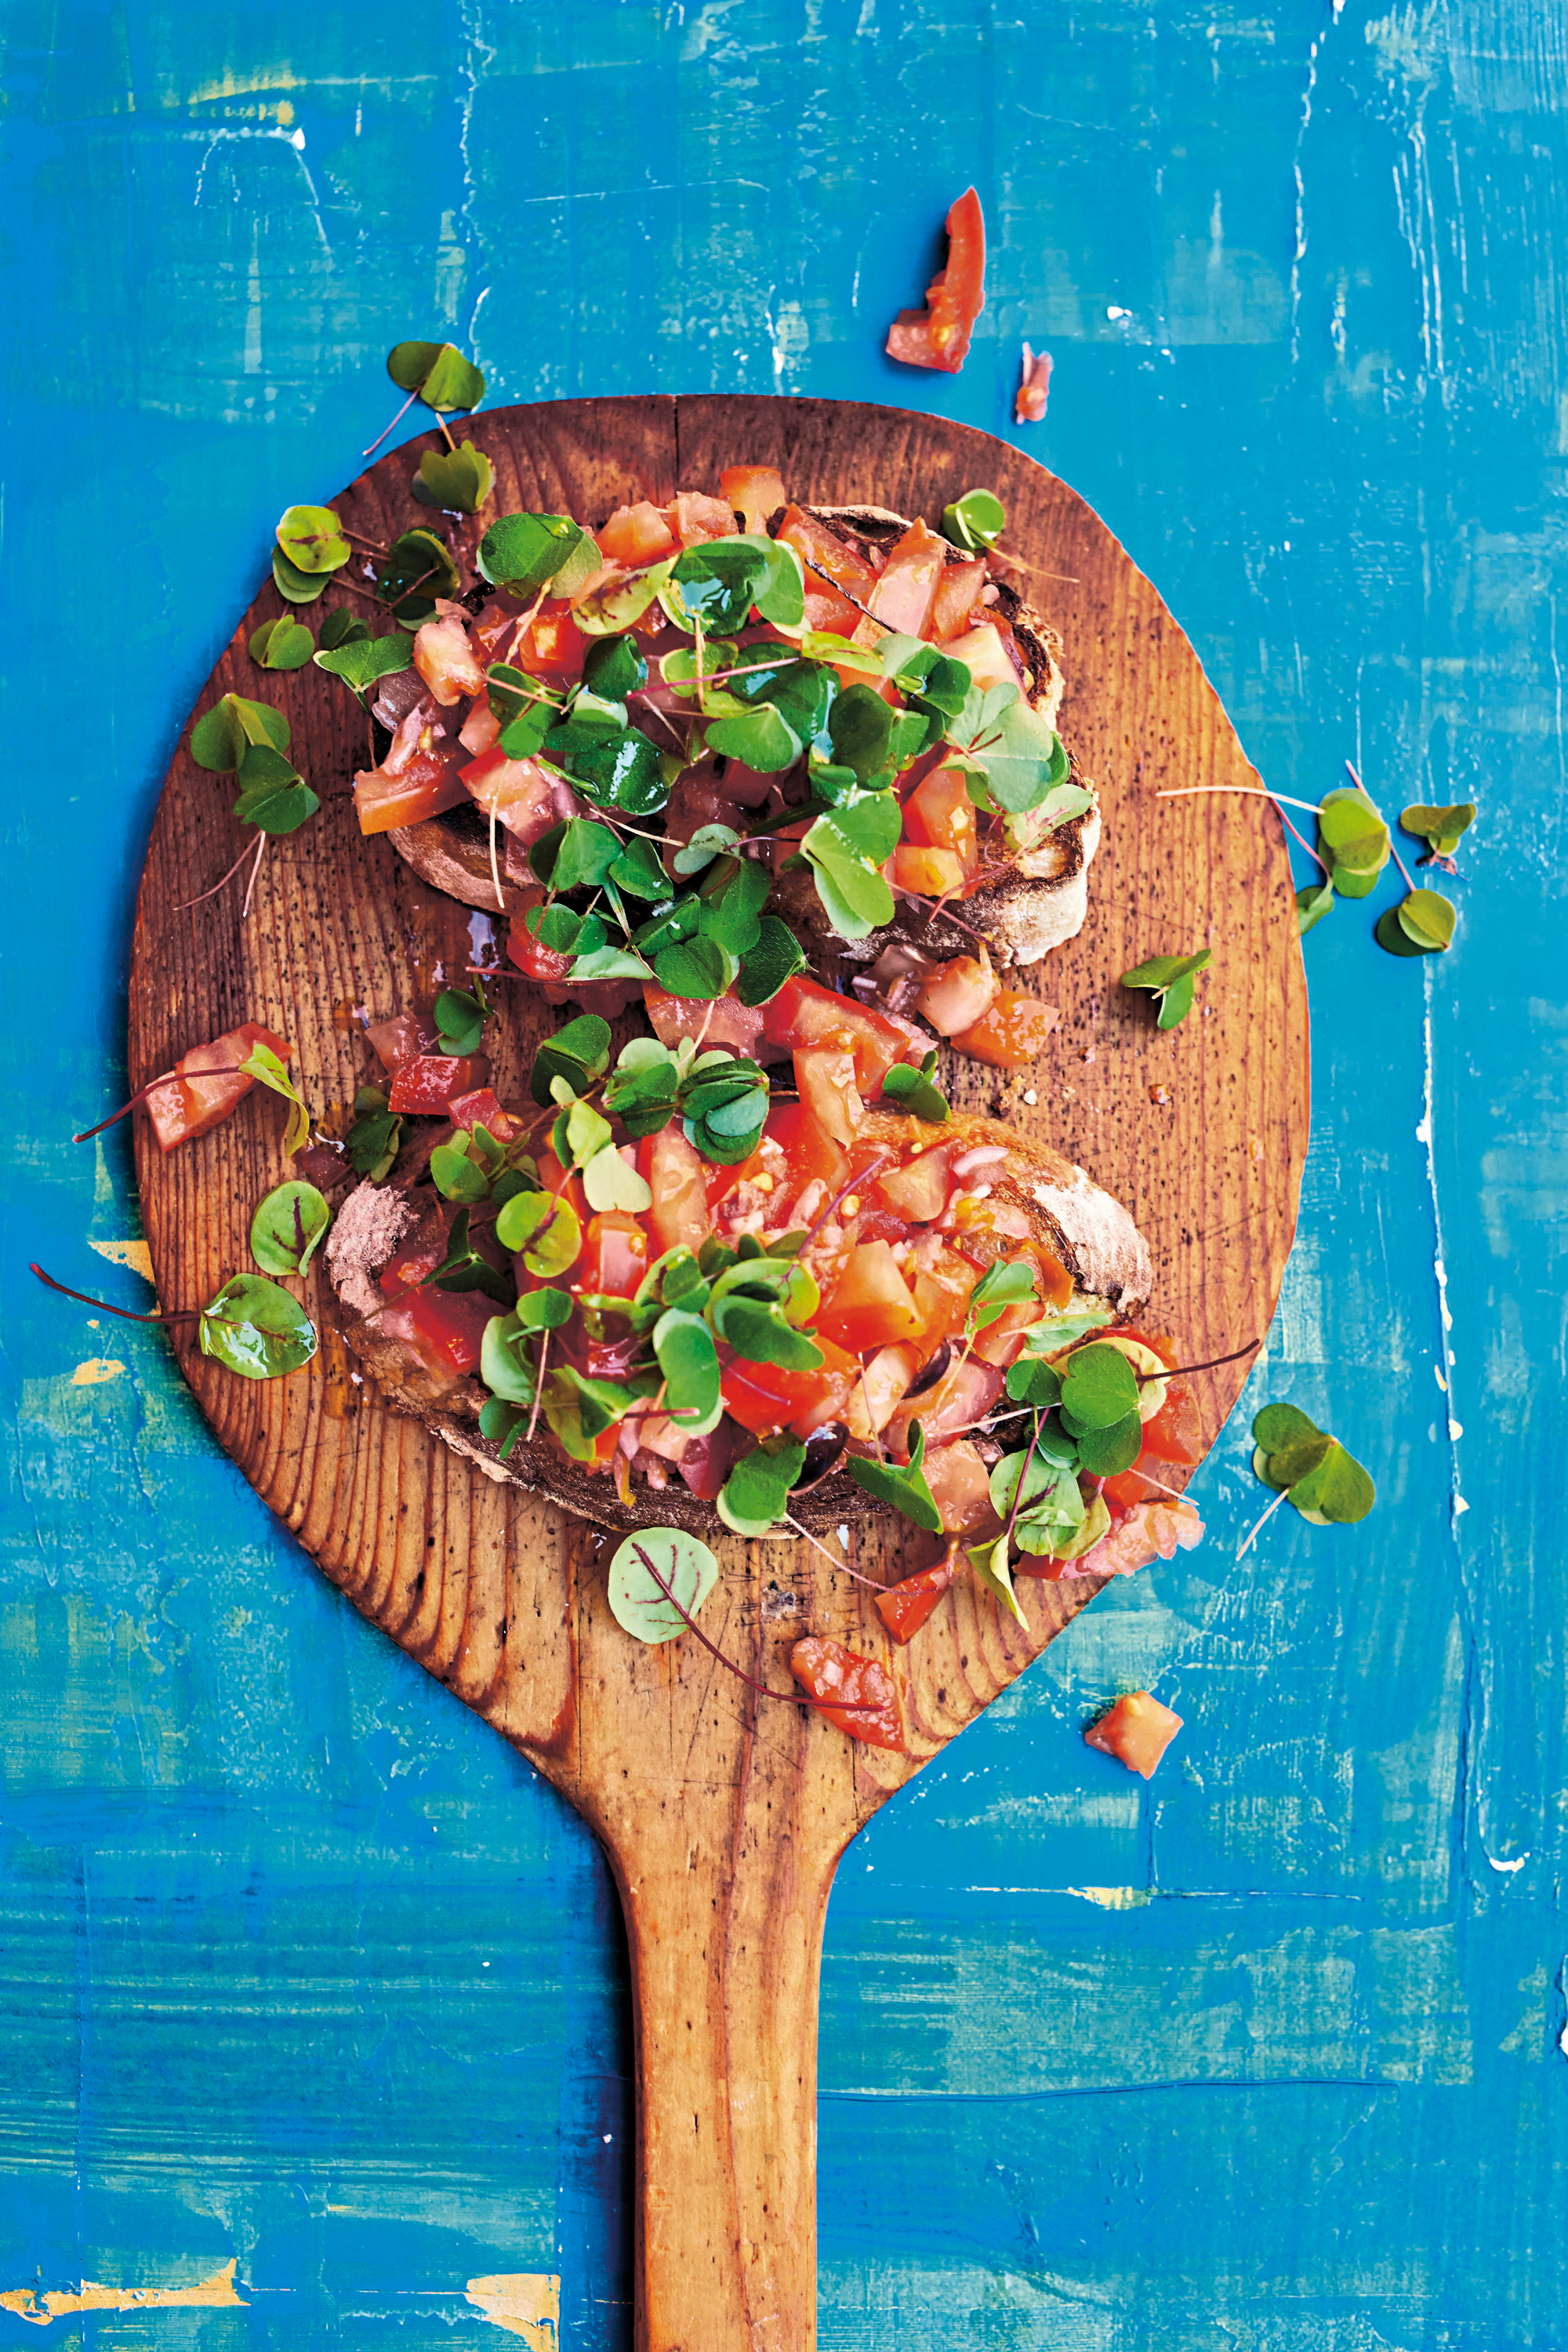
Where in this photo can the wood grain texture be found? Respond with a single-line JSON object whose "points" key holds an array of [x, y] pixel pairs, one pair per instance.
{"points": [[723, 1814]]}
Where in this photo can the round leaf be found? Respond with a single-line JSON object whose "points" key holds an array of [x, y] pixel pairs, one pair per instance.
{"points": [[686, 1567], [438, 372], [288, 1227], [298, 587], [1390, 933], [256, 1329], [311, 538], [281, 645], [975, 521], [1428, 919]]}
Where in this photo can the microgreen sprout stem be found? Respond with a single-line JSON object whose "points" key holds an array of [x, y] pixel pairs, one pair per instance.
{"points": [[84, 1298], [170, 1079], [202, 895], [392, 426], [1283, 1495], [1391, 843], [790, 1698]]}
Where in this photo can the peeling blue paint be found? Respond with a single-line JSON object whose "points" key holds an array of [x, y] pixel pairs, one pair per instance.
{"points": [[298, 1964]]}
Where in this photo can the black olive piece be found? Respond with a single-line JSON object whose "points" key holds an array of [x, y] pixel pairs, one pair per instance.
{"points": [[932, 1373], [823, 1449]]}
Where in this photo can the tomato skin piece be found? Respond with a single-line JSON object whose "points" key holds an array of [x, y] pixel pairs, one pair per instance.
{"points": [[805, 1014], [904, 1608], [426, 1085], [1137, 1730], [638, 534], [519, 793], [695, 519], [870, 1305], [1175, 1433], [867, 1696], [480, 1108], [1011, 1033], [756, 493], [178, 1114], [764, 1397], [937, 336]]}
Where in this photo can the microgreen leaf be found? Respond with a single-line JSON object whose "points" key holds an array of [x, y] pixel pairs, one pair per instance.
{"points": [[457, 1176], [989, 1562], [1312, 904], [706, 844], [1060, 1332], [844, 850], [1008, 1283], [416, 569], [620, 603], [312, 539], [256, 1329], [775, 958], [755, 1495], [913, 1090], [375, 1135], [1422, 924], [464, 1269], [1324, 1482], [1100, 1388], [580, 1053], [281, 645], [460, 1020], [684, 1349], [222, 735], [272, 795], [361, 660], [904, 1490], [610, 1182], [1440, 828], [760, 738], [298, 587], [1169, 980], [340, 627], [975, 521], [521, 552], [263, 1065], [438, 372], [687, 1568], [458, 479], [614, 666], [715, 583], [544, 1229], [695, 970], [288, 1227], [506, 1362]]}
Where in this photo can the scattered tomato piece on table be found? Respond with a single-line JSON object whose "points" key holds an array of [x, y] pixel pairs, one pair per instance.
{"points": [[1137, 1730], [867, 1703], [937, 336]]}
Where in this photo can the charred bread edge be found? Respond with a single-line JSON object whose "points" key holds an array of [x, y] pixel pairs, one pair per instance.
{"points": [[1089, 1230], [1023, 919]]}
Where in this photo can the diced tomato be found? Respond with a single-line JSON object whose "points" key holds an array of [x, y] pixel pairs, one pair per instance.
{"points": [[480, 729], [958, 594], [400, 1039], [1011, 1033], [876, 1395], [809, 1153], [868, 1699], [675, 1171], [764, 1397], [937, 336], [448, 1327], [638, 535], [417, 779], [802, 1014], [446, 661], [928, 873], [1176, 1432], [916, 1193], [1033, 388], [821, 552], [726, 1022], [939, 815], [614, 1255], [1130, 1486], [180, 1111], [694, 518], [963, 1397], [904, 1608], [519, 793], [554, 1180], [552, 645], [524, 951], [480, 1108], [906, 585], [1137, 1729], [961, 1487], [825, 1075], [957, 994], [427, 1085], [407, 1266], [870, 1305], [987, 652], [753, 492]]}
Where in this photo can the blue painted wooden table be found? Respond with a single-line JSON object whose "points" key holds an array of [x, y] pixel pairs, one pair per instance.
{"points": [[312, 1995]]}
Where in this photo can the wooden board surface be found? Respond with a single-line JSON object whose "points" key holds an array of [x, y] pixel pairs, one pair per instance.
{"points": [[724, 1815]]}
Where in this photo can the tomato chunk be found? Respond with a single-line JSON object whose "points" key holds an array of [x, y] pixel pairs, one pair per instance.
{"points": [[764, 1397], [182, 1111], [638, 534], [450, 1327], [426, 1083], [524, 951], [805, 1014], [939, 815], [727, 1021], [674, 1169], [810, 1155], [417, 779], [928, 873], [957, 599], [518, 793], [480, 1108], [904, 1608], [552, 643], [937, 336], [866, 1698], [1137, 1729], [821, 552], [825, 1077], [446, 661], [1012, 1031], [399, 1039], [614, 1255], [694, 518], [871, 1306], [755, 493], [1176, 1433]]}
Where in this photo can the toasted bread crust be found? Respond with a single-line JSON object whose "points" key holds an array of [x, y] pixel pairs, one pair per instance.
{"points": [[1091, 1233]]}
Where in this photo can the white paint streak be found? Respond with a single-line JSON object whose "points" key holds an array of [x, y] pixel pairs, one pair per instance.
{"points": [[1425, 1137]]}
